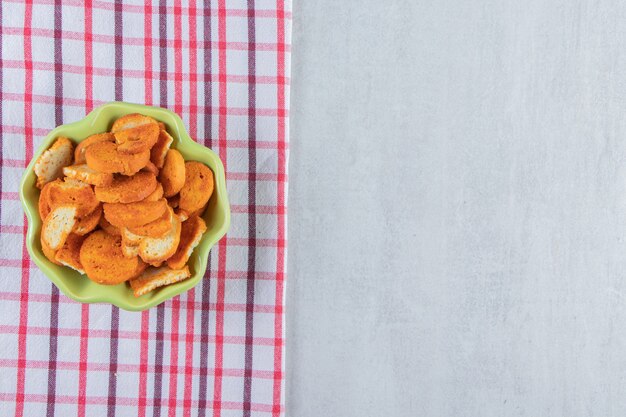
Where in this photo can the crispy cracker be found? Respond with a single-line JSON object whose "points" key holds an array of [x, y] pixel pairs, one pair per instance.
{"points": [[137, 139], [105, 157], [69, 254], [160, 148], [79, 153], [44, 199], [155, 250], [134, 214], [88, 175], [130, 121], [150, 167], [49, 165], [157, 228], [89, 222], [191, 233], [49, 253], [157, 194], [75, 193], [198, 187], [172, 175], [57, 226], [108, 227], [153, 278], [102, 258], [128, 189]]}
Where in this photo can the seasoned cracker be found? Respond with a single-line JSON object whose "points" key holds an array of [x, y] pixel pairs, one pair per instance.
{"points": [[153, 278]]}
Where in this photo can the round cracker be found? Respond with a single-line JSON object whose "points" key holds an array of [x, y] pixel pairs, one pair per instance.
{"points": [[69, 254], [128, 189], [130, 121], [87, 175], [157, 228], [160, 148], [49, 253], [44, 198], [75, 193], [49, 165], [137, 139], [198, 187], [102, 258], [172, 175], [190, 235], [79, 152], [89, 222], [157, 194], [150, 167], [134, 214], [156, 250], [108, 227], [105, 157]]}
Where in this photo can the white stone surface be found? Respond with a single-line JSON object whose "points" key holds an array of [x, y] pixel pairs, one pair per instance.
{"points": [[457, 209]]}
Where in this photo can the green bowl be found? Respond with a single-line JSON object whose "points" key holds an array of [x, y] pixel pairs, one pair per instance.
{"points": [[78, 286]]}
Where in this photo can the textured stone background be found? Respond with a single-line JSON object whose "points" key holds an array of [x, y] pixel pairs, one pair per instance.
{"points": [[458, 209]]}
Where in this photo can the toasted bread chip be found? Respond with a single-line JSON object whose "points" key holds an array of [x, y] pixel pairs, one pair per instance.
{"points": [[131, 121], [172, 175], [153, 278], [74, 183], [69, 254], [102, 258], [191, 233], [135, 133], [157, 194], [73, 192], [44, 198], [184, 214], [157, 228], [105, 157], [160, 148], [87, 175], [49, 253], [137, 139], [127, 189], [155, 250], [130, 244], [49, 165], [134, 214], [57, 226], [89, 222], [108, 227], [130, 238], [161, 125], [129, 250], [198, 187], [150, 167], [200, 211], [79, 153]]}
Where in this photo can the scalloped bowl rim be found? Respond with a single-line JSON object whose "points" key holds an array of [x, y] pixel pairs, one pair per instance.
{"points": [[186, 145]]}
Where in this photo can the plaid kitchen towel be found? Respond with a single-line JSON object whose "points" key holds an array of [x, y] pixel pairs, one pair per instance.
{"points": [[217, 350]]}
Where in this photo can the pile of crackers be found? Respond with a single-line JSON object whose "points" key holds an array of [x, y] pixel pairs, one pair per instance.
{"points": [[123, 206]]}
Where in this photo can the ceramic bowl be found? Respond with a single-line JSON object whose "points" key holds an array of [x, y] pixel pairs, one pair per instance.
{"points": [[78, 286]]}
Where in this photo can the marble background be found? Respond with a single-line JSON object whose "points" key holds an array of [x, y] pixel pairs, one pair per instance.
{"points": [[457, 209]]}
